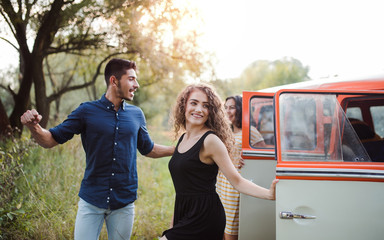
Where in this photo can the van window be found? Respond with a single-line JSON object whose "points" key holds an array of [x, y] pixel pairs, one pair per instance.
{"points": [[377, 113], [261, 118], [314, 127], [354, 112], [299, 123]]}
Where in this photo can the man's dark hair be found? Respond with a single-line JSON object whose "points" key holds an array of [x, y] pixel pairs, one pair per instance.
{"points": [[117, 67]]}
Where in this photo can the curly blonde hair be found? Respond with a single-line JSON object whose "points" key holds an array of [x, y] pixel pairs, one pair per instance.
{"points": [[217, 120]]}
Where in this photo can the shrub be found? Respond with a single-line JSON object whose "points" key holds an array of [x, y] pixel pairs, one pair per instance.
{"points": [[39, 187], [12, 153]]}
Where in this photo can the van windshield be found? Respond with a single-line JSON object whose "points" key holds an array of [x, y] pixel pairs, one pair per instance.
{"points": [[314, 127]]}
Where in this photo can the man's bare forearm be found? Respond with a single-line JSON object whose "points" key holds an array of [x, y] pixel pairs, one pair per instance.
{"points": [[42, 136], [161, 151]]}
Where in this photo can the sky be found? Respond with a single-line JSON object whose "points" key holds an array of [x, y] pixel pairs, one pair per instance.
{"points": [[331, 37]]}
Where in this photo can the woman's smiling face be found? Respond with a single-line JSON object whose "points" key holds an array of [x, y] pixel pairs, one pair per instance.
{"points": [[230, 109]]}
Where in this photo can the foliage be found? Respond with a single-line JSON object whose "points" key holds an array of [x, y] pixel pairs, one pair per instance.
{"points": [[12, 153], [157, 100], [263, 74], [40, 187], [156, 196], [225, 88], [82, 35]]}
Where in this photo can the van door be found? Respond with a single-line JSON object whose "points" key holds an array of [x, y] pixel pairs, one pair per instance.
{"points": [[329, 187], [257, 216]]}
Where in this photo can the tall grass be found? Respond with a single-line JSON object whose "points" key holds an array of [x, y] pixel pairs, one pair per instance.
{"points": [[42, 202]]}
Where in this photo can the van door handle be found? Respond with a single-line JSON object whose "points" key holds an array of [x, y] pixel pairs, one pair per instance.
{"points": [[290, 215]]}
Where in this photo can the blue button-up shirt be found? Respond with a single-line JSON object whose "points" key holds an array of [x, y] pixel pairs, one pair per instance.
{"points": [[110, 140]]}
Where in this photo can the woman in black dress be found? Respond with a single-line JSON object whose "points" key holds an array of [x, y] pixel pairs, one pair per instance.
{"points": [[200, 152]]}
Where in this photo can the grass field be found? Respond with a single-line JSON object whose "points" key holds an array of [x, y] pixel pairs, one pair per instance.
{"points": [[41, 200]]}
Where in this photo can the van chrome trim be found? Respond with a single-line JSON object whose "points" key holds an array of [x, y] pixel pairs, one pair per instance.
{"points": [[258, 154], [291, 215], [330, 172]]}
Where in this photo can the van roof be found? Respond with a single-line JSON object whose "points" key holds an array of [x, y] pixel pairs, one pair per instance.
{"points": [[373, 82]]}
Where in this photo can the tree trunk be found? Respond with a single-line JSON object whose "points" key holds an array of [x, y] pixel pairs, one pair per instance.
{"points": [[42, 104], [4, 122], [22, 98]]}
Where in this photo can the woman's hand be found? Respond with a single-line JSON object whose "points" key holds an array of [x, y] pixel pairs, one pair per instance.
{"points": [[240, 164], [272, 189]]}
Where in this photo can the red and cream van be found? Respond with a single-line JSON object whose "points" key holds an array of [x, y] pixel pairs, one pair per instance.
{"points": [[325, 145]]}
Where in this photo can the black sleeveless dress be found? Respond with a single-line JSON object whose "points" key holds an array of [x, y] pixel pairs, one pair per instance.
{"points": [[198, 213]]}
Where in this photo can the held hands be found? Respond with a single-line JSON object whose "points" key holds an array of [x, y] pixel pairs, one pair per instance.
{"points": [[30, 118]]}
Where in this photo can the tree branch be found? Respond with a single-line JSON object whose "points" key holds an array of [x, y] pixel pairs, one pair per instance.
{"points": [[8, 89], [66, 89], [13, 45], [76, 44], [10, 16]]}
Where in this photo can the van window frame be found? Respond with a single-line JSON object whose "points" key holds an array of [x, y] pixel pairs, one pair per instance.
{"points": [[311, 164]]}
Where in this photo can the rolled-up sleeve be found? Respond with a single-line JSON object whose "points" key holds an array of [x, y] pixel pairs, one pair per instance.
{"points": [[69, 127], [144, 141]]}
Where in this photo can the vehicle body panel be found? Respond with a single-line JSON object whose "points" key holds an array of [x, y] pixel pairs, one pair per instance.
{"points": [[325, 166], [340, 191], [257, 216]]}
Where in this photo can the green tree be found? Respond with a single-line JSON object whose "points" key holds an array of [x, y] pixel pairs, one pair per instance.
{"points": [[92, 32], [264, 74]]}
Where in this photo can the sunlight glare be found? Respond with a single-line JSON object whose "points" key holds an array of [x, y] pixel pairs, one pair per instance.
{"points": [[331, 37]]}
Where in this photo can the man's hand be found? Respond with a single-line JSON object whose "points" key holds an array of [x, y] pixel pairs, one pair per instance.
{"points": [[43, 137], [30, 118]]}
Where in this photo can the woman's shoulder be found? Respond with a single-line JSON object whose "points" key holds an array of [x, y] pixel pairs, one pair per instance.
{"points": [[212, 139], [213, 148]]}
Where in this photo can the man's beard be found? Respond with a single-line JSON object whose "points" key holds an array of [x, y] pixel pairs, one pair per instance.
{"points": [[120, 93]]}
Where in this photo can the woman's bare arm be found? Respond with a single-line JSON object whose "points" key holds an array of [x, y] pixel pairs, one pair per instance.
{"points": [[215, 150]]}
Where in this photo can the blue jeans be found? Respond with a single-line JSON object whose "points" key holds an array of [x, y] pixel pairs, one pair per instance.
{"points": [[90, 219]]}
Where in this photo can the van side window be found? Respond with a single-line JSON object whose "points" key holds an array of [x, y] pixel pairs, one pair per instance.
{"points": [[266, 124], [314, 127], [366, 114], [261, 118], [300, 124], [377, 113], [354, 112]]}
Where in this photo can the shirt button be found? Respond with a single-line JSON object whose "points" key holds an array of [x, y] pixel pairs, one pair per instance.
{"points": [[115, 143], [107, 201], [117, 128], [117, 114], [108, 198], [107, 107], [114, 159], [110, 189], [113, 174]]}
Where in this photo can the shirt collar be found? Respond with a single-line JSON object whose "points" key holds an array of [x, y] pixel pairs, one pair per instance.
{"points": [[110, 105]]}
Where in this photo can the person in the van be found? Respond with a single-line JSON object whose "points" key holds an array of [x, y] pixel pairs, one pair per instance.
{"points": [[201, 151], [229, 196]]}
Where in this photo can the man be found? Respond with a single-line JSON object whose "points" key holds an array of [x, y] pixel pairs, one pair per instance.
{"points": [[111, 131]]}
